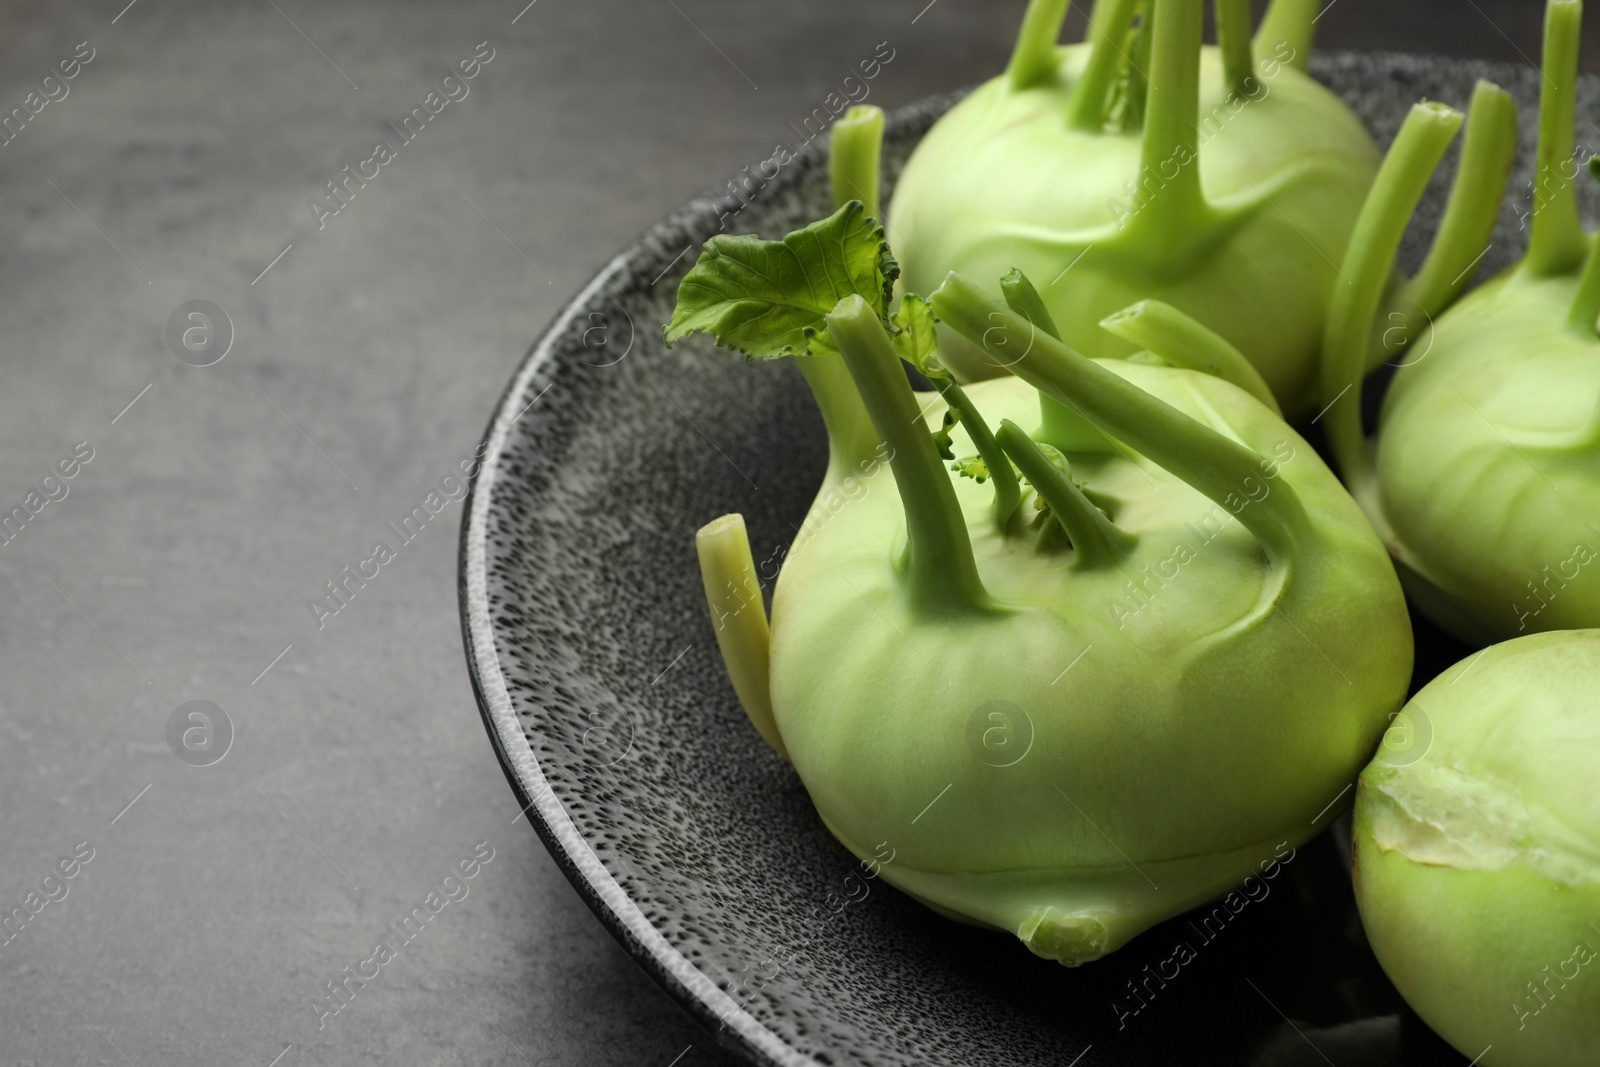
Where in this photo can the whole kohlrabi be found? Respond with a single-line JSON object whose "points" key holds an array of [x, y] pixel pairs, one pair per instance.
{"points": [[1484, 480], [1223, 181], [1477, 853], [1147, 644]]}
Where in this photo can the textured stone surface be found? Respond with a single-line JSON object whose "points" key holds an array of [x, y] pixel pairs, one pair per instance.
{"points": [[214, 912]]}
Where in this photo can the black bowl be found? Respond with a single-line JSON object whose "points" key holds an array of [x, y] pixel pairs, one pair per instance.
{"points": [[599, 680]]}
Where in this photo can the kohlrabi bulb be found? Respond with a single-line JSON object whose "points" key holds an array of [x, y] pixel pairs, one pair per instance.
{"points": [[1485, 477], [1221, 180], [1477, 853], [1142, 647]]}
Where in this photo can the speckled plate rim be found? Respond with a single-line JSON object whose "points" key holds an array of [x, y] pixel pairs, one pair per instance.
{"points": [[708, 1003], [717, 1011]]}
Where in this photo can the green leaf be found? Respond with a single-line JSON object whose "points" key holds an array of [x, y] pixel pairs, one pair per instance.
{"points": [[915, 337], [972, 467], [769, 299]]}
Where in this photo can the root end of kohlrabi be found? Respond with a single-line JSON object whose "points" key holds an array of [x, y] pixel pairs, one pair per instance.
{"points": [[1070, 939]]}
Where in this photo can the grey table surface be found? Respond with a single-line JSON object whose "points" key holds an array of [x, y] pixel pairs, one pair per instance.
{"points": [[367, 351]]}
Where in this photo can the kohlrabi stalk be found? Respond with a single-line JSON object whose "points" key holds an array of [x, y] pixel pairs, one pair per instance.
{"points": [[941, 575], [1096, 539], [1407, 169], [1477, 853], [1294, 23], [1481, 479], [1141, 164], [1181, 341], [855, 151], [1206, 460], [1185, 596], [739, 615]]}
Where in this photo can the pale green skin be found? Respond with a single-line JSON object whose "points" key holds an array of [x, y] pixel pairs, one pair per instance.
{"points": [[1478, 864], [1211, 731], [1001, 181], [1488, 463]]}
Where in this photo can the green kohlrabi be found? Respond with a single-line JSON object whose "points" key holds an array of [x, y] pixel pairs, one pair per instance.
{"points": [[1477, 853], [1221, 180], [1144, 646], [1484, 480]]}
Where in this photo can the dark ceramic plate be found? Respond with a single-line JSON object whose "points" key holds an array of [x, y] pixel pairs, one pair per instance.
{"points": [[599, 681]]}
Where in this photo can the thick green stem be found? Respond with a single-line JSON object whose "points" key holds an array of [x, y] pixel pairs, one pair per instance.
{"points": [[1065, 426], [1238, 52], [1136, 86], [1586, 305], [1557, 245], [1184, 342], [851, 438], [1368, 266], [854, 150], [1289, 25], [1169, 171], [1024, 299], [1007, 492], [1468, 224], [1096, 540], [739, 616], [1034, 61], [1108, 36], [1219, 468], [940, 569]]}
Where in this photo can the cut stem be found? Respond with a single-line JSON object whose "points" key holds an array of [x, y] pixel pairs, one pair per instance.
{"points": [[739, 616], [1219, 468], [1289, 25], [854, 150], [1034, 61], [1238, 51], [1475, 198], [1169, 171], [940, 568], [1557, 244], [1096, 539], [1184, 342], [1007, 491], [1368, 266], [1108, 33], [1024, 299]]}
